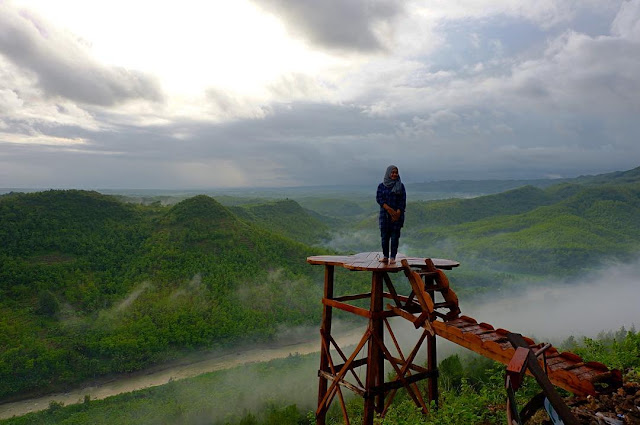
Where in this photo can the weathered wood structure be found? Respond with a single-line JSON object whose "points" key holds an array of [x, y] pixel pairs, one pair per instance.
{"points": [[433, 307]]}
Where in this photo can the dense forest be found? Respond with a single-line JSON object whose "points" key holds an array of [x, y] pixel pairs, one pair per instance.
{"points": [[92, 285]]}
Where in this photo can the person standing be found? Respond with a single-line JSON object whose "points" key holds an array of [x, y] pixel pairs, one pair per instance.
{"points": [[392, 198]]}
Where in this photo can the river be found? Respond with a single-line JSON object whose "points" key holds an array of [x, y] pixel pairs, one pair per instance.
{"points": [[170, 372]]}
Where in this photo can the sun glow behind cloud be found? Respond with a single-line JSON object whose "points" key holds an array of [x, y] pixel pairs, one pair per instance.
{"points": [[189, 46]]}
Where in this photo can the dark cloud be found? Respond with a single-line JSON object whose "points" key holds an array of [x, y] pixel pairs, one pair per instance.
{"points": [[63, 66], [360, 25], [317, 144]]}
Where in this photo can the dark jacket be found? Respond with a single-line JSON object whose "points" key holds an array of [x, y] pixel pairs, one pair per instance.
{"points": [[395, 201]]}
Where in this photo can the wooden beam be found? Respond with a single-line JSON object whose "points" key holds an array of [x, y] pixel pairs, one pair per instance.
{"points": [[352, 387], [543, 380], [347, 307]]}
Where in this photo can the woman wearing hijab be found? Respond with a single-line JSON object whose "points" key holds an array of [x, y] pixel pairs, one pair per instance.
{"points": [[392, 199]]}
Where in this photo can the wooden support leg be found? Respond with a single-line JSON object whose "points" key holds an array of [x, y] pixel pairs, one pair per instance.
{"points": [[325, 332], [543, 380], [432, 366], [375, 366]]}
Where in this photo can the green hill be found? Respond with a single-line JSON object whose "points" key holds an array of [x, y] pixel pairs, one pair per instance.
{"points": [[487, 187], [456, 211], [91, 286], [583, 227], [616, 177], [285, 217]]}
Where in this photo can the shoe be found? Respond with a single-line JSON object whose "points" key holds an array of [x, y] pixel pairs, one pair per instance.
{"points": [[383, 260], [392, 261]]}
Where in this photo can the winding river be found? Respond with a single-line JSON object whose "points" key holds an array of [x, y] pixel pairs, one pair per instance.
{"points": [[171, 372]]}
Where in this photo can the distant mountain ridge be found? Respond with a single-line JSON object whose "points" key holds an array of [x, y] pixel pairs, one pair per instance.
{"points": [[561, 229], [497, 186]]}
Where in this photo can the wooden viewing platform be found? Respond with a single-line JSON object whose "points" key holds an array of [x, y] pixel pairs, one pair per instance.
{"points": [[435, 317]]}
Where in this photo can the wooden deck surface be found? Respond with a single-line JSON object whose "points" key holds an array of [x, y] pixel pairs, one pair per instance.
{"points": [[370, 261]]}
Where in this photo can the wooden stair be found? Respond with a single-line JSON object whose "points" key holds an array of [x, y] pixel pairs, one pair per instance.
{"points": [[565, 370]]}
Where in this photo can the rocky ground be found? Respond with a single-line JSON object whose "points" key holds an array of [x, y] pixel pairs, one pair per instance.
{"points": [[619, 408]]}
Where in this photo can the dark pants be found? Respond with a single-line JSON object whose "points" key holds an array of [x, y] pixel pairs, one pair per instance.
{"points": [[390, 236]]}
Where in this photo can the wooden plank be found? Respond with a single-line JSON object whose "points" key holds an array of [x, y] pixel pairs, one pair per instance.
{"points": [[354, 364], [344, 358], [342, 382], [352, 297], [394, 385], [347, 307], [411, 366], [328, 260], [336, 389], [556, 401], [517, 366]]}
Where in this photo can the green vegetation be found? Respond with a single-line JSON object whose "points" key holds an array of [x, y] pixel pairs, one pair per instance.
{"points": [[283, 392], [287, 218], [91, 286], [561, 230], [264, 393]]}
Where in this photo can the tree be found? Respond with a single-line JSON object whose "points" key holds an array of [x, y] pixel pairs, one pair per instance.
{"points": [[48, 304]]}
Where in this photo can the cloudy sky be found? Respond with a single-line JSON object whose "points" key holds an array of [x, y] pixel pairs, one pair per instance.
{"points": [[200, 94]]}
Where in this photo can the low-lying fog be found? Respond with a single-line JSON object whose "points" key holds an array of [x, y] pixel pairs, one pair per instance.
{"points": [[552, 311], [606, 302]]}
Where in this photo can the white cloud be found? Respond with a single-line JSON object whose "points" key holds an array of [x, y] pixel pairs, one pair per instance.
{"points": [[40, 139], [627, 22], [63, 66]]}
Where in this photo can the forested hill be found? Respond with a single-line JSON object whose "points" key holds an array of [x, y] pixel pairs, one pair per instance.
{"points": [[498, 186], [286, 217], [91, 286], [562, 229], [616, 177]]}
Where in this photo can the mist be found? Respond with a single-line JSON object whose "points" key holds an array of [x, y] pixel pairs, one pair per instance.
{"points": [[607, 301]]}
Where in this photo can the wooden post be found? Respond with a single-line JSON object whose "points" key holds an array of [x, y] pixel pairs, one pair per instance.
{"points": [[432, 357], [375, 365], [543, 380], [432, 366], [325, 332]]}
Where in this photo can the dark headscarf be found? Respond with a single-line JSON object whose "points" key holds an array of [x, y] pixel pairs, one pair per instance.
{"points": [[394, 185]]}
